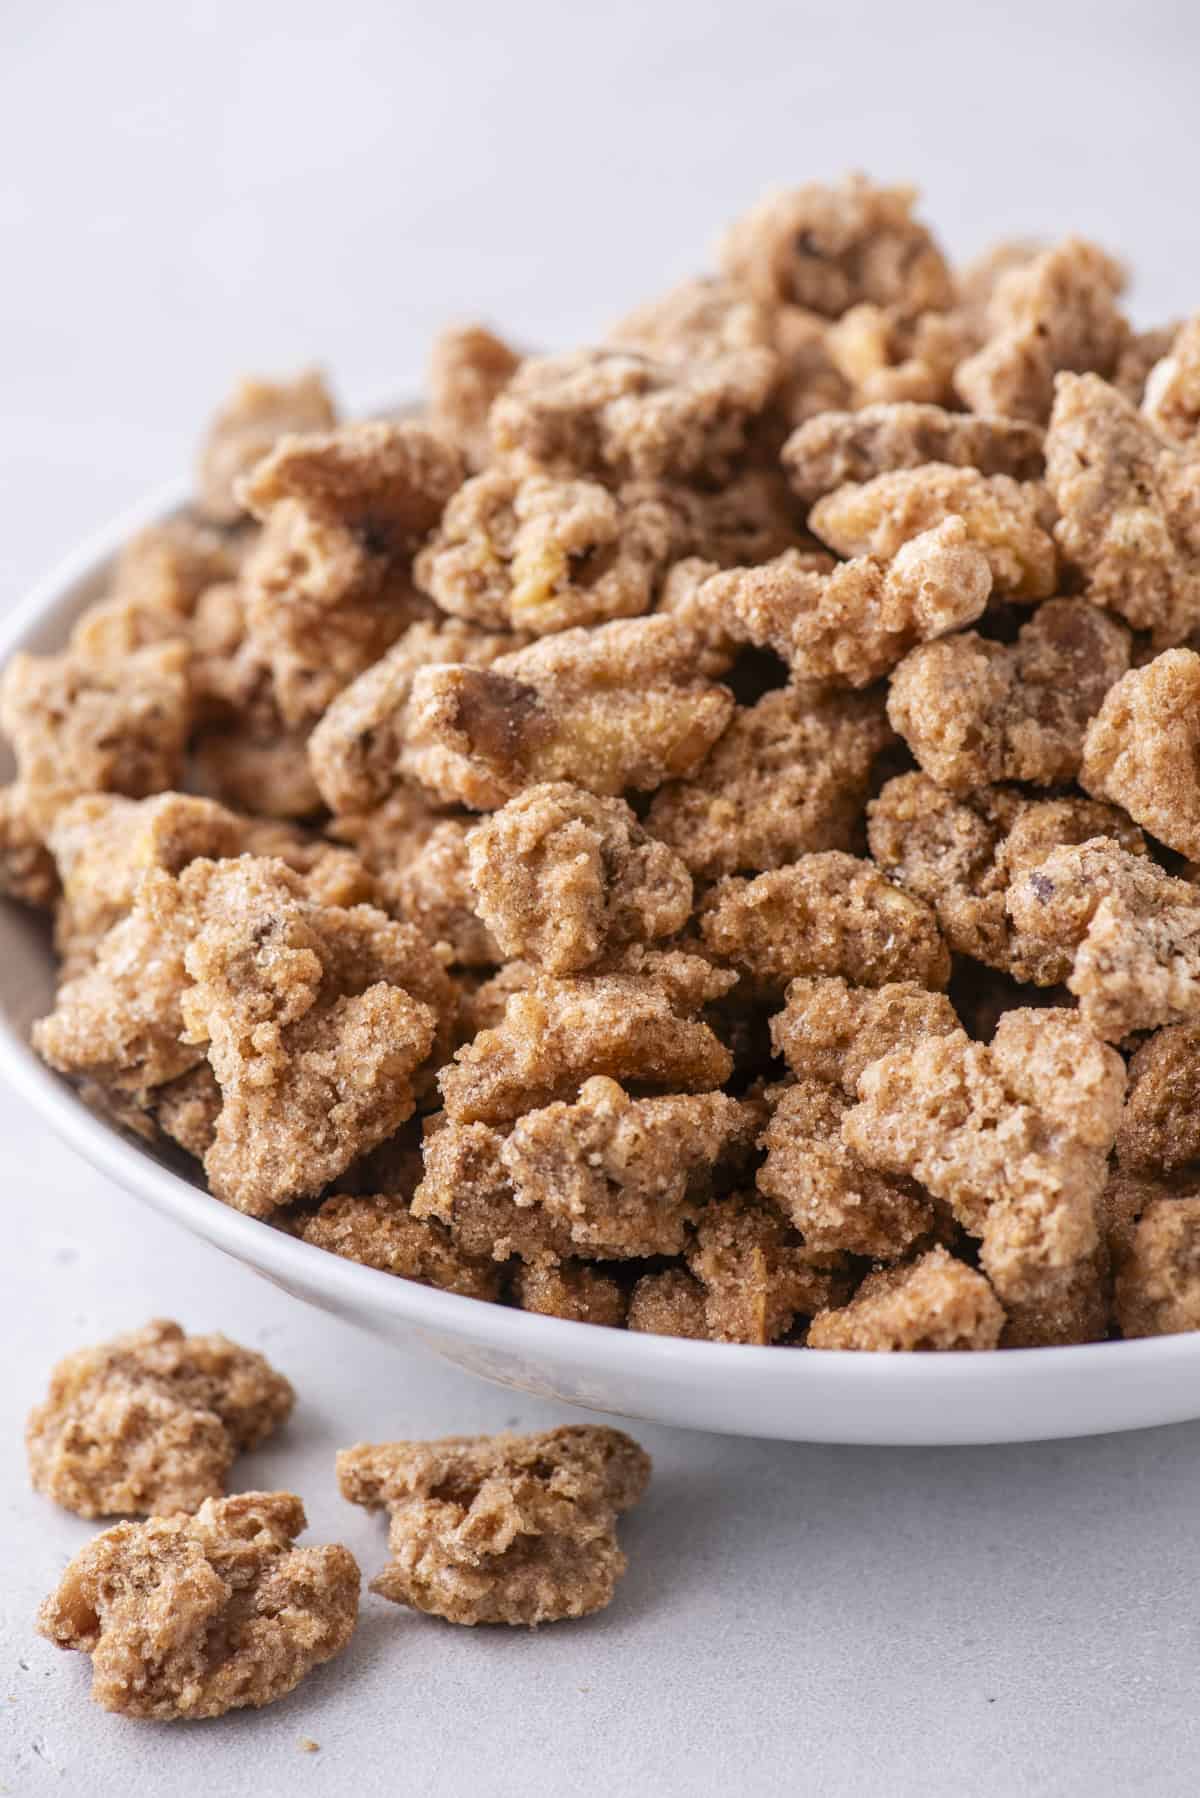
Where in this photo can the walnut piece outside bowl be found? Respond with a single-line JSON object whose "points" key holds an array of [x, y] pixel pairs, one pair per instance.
{"points": [[798, 1395]]}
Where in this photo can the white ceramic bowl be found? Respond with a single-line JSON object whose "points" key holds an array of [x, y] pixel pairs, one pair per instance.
{"points": [[813, 1396]]}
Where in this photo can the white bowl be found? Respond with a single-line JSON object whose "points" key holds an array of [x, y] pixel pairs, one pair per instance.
{"points": [[799, 1395]]}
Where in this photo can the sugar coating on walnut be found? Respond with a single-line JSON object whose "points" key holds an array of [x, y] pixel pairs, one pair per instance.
{"points": [[500, 1529], [1132, 929], [1006, 521], [159, 589], [1012, 1135], [469, 367], [27, 869], [466, 1187], [151, 1421], [888, 357], [1129, 511], [616, 707], [755, 1271], [573, 1290], [825, 914], [1142, 748], [247, 427], [974, 711], [852, 625], [188, 1617], [1160, 1126], [562, 876], [836, 447], [622, 415], [1172, 394], [670, 1303], [379, 1230], [933, 1303], [829, 1030], [788, 777], [1158, 1275]]}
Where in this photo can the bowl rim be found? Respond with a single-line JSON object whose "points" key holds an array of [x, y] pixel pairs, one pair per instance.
{"points": [[430, 1310]]}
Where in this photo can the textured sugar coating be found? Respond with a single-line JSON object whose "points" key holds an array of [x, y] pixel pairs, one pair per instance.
{"points": [[569, 1289], [836, 447], [1075, 1306], [561, 877], [1160, 1126], [959, 854], [189, 1617], [357, 749], [788, 777], [80, 726], [621, 415], [1142, 749], [826, 914], [159, 589], [433, 891], [151, 1422], [1137, 360], [1006, 521], [838, 1204], [886, 357], [934, 1303], [247, 427], [1172, 394], [1012, 1135], [828, 1030], [500, 1529], [469, 367], [828, 248], [557, 1033], [329, 585], [671, 1303], [1057, 311], [852, 625], [27, 870], [698, 604], [467, 1188], [521, 551], [378, 1230], [626, 1176], [697, 320], [756, 1274], [1134, 933], [1158, 1275], [1129, 509], [974, 711], [616, 707]]}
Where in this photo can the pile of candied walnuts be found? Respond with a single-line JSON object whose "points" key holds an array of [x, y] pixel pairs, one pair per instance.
{"points": [[699, 833]]}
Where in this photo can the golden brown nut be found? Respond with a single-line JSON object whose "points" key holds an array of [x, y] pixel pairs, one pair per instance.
{"points": [[151, 1422], [247, 427], [829, 1030], [974, 711], [195, 1616], [935, 1303], [1142, 749], [469, 367], [756, 1273], [379, 1230], [500, 1529], [1158, 1275], [569, 1289], [885, 355], [160, 589], [467, 1188], [836, 447], [561, 877], [1160, 1126], [1172, 395], [696, 321], [668, 1304]]}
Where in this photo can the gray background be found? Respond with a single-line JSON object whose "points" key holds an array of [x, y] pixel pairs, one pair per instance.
{"points": [[189, 191]]}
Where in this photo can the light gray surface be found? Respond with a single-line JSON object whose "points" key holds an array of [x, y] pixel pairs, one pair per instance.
{"points": [[261, 184]]}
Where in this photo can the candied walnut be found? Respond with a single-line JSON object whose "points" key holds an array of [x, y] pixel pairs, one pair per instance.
{"points": [[1158, 1275], [821, 1186], [828, 248], [160, 584], [828, 1030], [698, 320], [1074, 1306], [974, 711], [960, 854], [622, 415], [557, 1033], [379, 1230], [469, 368], [151, 1422], [195, 1616], [790, 776], [1012, 1135], [357, 750], [935, 1303], [186, 1109], [885, 356], [500, 1529], [467, 1187], [255, 416], [1142, 749], [757, 1275], [1057, 311], [1005, 520], [625, 1176], [836, 447], [258, 767], [27, 870], [1172, 397], [562, 876], [329, 585], [78, 726], [1129, 514], [809, 383], [668, 1304], [852, 625], [433, 891], [825, 914], [522, 551], [1137, 360], [571, 1290], [610, 708], [1160, 1127]]}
